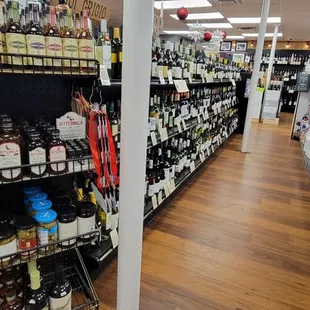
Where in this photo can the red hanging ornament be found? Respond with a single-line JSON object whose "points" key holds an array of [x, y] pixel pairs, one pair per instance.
{"points": [[182, 13], [207, 36], [224, 34]]}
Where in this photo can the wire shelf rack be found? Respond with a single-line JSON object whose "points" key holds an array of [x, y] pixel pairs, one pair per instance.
{"points": [[47, 65], [43, 170]]}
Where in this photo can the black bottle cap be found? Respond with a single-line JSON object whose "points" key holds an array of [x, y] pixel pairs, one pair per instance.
{"points": [[86, 208], [6, 231], [66, 214], [25, 222]]}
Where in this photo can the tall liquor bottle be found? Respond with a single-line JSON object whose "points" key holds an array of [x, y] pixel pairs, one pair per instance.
{"points": [[53, 41], [61, 292], [70, 43], [86, 43], [34, 36], [103, 46], [115, 54], [15, 36]]}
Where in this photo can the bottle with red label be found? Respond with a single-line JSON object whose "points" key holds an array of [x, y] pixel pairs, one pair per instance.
{"points": [[57, 152], [53, 41], [10, 152]]}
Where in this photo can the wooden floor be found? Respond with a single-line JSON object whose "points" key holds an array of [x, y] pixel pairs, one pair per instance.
{"points": [[237, 238]]}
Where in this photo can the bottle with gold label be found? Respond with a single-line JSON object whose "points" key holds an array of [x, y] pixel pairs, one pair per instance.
{"points": [[35, 38], [53, 41], [116, 43], [15, 36], [86, 43], [70, 43]]}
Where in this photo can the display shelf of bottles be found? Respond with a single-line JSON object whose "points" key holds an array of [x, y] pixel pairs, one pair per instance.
{"points": [[46, 65], [52, 248], [45, 170]]}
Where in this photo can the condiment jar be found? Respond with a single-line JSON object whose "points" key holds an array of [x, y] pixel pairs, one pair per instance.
{"points": [[26, 236], [30, 191], [86, 216], [67, 225], [41, 205], [7, 244], [46, 230], [35, 198]]}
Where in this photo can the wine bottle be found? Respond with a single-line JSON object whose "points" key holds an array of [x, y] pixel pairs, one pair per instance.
{"points": [[61, 291], [36, 298]]}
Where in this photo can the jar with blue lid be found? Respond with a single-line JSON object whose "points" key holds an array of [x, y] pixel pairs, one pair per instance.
{"points": [[29, 191], [41, 205], [35, 198], [46, 230]]}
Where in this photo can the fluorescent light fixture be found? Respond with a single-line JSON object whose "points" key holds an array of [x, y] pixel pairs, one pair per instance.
{"points": [[176, 31], [234, 37], [216, 15], [255, 35], [253, 20], [215, 25], [179, 3]]}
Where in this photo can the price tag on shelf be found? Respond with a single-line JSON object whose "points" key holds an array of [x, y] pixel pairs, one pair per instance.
{"points": [[198, 118], [163, 134], [208, 151], [161, 77], [104, 76], [170, 80], [114, 238], [291, 91], [181, 86], [192, 166], [167, 189], [160, 197], [153, 138], [154, 202], [171, 186], [184, 124]]}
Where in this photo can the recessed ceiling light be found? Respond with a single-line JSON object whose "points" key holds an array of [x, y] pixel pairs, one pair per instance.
{"points": [[179, 3], [214, 25], [215, 15], [255, 35], [252, 20], [235, 37], [176, 32]]}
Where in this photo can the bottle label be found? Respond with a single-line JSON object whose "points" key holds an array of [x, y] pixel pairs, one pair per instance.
{"points": [[177, 72], [154, 72], [86, 225], [199, 69], [120, 56], [86, 50], [63, 303], [58, 153], [106, 49], [35, 46], [37, 156], [151, 191], [113, 58], [114, 129], [67, 230], [165, 72], [8, 249], [53, 48], [10, 157], [16, 44], [71, 50]]}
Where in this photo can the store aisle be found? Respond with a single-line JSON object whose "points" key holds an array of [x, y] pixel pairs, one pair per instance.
{"points": [[237, 238]]}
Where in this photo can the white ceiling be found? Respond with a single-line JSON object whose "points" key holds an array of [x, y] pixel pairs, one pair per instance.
{"points": [[295, 16]]}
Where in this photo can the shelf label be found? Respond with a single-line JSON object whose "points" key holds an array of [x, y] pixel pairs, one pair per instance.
{"points": [[181, 86], [212, 148], [160, 197], [104, 76], [192, 166], [167, 190], [71, 126], [161, 77], [171, 186], [154, 202], [184, 124], [170, 76], [153, 138], [114, 238], [208, 150], [163, 134]]}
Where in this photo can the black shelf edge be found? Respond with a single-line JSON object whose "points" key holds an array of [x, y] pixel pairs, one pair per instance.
{"points": [[101, 257]]}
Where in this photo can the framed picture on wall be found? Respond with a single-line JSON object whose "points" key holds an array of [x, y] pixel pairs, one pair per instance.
{"points": [[225, 46], [241, 46]]}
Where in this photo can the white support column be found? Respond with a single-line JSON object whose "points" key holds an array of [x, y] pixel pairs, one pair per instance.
{"points": [[137, 45], [272, 53], [255, 74]]}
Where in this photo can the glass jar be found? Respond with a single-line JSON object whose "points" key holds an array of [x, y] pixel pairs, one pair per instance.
{"points": [[67, 225], [34, 198], [7, 244], [42, 205], [86, 218], [46, 230], [26, 236]]}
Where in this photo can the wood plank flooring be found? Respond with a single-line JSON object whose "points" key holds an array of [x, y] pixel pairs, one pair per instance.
{"points": [[238, 237]]}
